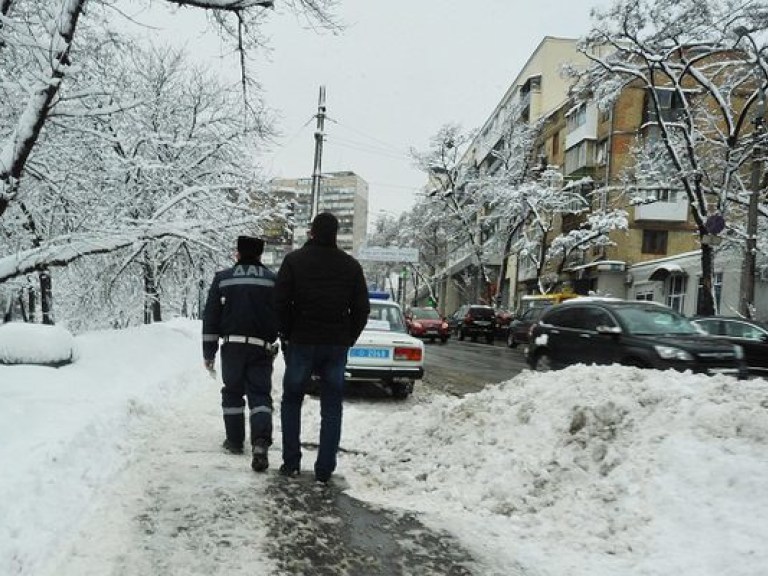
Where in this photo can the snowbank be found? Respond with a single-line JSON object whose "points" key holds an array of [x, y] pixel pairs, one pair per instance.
{"points": [[64, 433], [24, 343], [620, 470]]}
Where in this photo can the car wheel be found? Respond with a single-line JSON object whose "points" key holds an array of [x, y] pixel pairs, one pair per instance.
{"points": [[511, 342], [443, 339], [489, 338], [636, 362], [401, 390], [474, 338], [543, 362], [460, 334]]}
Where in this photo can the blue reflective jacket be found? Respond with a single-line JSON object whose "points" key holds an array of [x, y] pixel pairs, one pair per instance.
{"points": [[240, 303]]}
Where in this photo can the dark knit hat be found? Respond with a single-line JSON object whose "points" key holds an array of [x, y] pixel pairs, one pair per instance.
{"points": [[325, 226], [250, 246]]}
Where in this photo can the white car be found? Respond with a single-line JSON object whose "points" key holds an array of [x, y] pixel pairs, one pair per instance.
{"points": [[385, 352]]}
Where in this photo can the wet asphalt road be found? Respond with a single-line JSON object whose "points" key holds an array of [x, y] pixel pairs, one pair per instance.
{"points": [[317, 530], [460, 367]]}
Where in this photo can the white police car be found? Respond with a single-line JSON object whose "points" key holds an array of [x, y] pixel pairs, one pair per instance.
{"points": [[385, 353]]}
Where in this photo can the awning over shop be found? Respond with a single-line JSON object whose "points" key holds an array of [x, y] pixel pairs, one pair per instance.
{"points": [[664, 271]]}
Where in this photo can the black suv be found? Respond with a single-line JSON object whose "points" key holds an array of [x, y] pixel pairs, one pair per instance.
{"points": [[475, 320], [630, 332]]}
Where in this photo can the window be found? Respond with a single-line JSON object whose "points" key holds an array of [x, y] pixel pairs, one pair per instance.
{"points": [[569, 317], [670, 104], [579, 156], [594, 317], [645, 295], [654, 241], [576, 118], [601, 156], [676, 292], [556, 144], [742, 330], [666, 195]]}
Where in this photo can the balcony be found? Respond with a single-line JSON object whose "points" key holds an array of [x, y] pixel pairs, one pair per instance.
{"points": [[669, 206]]}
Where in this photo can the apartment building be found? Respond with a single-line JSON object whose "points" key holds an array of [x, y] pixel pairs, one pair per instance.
{"points": [[345, 194], [658, 256], [540, 88]]}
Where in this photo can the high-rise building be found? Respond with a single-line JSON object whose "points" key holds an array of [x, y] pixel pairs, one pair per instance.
{"points": [[344, 194]]}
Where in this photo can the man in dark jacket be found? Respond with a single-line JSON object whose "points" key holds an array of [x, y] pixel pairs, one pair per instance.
{"points": [[240, 311], [322, 307]]}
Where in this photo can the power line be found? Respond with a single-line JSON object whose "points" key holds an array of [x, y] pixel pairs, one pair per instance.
{"points": [[392, 147], [360, 147]]}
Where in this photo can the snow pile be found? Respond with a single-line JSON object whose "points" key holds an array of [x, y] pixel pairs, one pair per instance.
{"points": [[66, 432], [621, 466], [24, 343], [590, 471]]}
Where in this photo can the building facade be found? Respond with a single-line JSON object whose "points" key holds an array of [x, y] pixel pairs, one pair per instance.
{"points": [[658, 255], [344, 194], [539, 89]]}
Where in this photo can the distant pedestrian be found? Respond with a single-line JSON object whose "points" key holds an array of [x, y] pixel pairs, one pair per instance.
{"points": [[322, 306], [240, 311]]}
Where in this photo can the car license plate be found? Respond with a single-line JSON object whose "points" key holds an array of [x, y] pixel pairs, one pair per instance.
{"points": [[431, 331], [482, 323], [368, 353]]}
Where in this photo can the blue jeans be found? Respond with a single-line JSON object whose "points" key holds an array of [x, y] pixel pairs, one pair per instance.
{"points": [[328, 363]]}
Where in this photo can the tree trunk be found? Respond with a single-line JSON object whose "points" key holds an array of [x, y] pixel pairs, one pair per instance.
{"points": [[46, 297], [22, 308], [31, 303], [706, 303], [151, 296]]}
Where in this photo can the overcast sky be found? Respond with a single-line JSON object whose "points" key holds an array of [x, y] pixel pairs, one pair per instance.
{"points": [[398, 72]]}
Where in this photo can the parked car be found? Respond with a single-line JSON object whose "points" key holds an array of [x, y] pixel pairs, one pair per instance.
{"points": [[385, 353], [503, 320], [474, 320], [630, 332], [520, 327], [426, 322], [750, 335]]}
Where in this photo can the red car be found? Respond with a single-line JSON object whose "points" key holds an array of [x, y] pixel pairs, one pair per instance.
{"points": [[427, 323]]}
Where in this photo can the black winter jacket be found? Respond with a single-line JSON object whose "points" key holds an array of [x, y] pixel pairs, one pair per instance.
{"points": [[240, 303], [321, 296]]}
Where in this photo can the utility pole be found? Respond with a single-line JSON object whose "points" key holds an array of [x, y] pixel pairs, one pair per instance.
{"points": [[748, 268], [317, 170]]}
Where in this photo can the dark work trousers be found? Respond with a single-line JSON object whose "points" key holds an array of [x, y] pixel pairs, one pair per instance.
{"points": [[247, 371]]}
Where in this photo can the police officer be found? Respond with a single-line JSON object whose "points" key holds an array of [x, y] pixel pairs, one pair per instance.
{"points": [[240, 312]]}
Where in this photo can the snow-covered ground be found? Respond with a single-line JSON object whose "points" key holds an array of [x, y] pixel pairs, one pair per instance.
{"points": [[591, 471]]}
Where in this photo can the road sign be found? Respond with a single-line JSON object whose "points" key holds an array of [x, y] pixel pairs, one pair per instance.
{"points": [[388, 254]]}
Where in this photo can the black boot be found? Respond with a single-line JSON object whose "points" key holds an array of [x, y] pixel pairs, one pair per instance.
{"points": [[232, 447], [260, 461]]}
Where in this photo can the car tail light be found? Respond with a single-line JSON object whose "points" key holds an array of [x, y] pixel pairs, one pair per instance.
{"points": [[411, 354], [468, 318]]}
